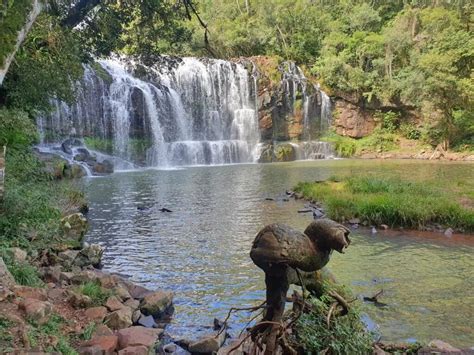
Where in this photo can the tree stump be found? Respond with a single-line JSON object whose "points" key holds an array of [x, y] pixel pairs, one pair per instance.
{"points": [[279, 250]]}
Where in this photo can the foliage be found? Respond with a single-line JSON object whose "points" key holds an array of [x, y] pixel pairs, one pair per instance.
{"points": [[89, 331], [95, 291], [6, 338], [39, 333], [405, 54], [394, 202], [410, 131], [45, 67], [16, 129], [346, 334], [13, 15], [24, 273]]}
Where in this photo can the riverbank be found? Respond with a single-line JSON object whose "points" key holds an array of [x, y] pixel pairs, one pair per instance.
{"points": [[389, 202]]}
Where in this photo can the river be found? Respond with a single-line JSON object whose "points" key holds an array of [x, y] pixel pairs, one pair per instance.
{"points": [[201, 249]]}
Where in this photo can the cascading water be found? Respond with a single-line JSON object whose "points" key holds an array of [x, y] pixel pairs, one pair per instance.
{"points": [[186, 112]]}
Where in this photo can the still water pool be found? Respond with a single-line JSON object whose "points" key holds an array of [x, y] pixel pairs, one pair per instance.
{"points": [[201, 249]]}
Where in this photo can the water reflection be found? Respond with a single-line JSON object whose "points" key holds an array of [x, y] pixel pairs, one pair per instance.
{"points": [[200, 250]]}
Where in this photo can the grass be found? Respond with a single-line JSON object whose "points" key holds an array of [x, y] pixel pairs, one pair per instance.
{"points": [[97, 294], [345, 335], [6, 338], [390, 201], [39, 333]]}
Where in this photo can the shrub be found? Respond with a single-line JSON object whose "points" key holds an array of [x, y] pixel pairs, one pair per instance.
{"points": [[345, 335], [410, 131], [16, 129]]}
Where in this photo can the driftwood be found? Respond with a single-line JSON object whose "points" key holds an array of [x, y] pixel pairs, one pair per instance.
{"points": [[285, 255]]}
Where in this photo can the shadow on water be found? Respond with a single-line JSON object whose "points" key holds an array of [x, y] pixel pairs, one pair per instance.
{"points": [[200, 250]]}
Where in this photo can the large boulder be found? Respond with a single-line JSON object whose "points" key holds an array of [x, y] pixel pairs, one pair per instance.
{"points": [[96, 314], [119, 319], [284, 152], [157, 303], [208, 344], [90, 255], [36, 310], [138, 336], [104, 167], [106, 343]]}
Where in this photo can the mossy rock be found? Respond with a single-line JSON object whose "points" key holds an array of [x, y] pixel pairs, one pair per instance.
{"points": [[284, 152]]}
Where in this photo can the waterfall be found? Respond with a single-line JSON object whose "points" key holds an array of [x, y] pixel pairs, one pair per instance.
{"points": [[178, 112]]}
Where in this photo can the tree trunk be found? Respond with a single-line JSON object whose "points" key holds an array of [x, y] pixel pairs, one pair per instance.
{"points": [[35, 11]]}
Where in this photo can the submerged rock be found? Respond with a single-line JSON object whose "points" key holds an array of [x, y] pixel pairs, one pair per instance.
{"points": [[105, 167]]}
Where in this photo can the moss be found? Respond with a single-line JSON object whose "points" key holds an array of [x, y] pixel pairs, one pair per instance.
{"points": [[13, 17]]}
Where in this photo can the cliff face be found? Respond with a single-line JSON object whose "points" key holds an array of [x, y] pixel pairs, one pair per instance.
{"points": [[290, 106]]}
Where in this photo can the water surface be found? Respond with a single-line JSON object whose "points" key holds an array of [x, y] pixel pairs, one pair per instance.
{"points": [[201, 249]]}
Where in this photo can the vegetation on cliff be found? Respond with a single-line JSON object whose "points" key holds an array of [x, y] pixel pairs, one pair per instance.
{"points": [[394, 55]]}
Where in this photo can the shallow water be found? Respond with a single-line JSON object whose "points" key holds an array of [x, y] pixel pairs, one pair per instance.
{"points": [[200, 250]]}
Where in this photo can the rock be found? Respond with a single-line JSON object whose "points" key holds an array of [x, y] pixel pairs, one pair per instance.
{"points": [[108, 281], [66, 148], [156, 303], [96, 314], [105, 167], [353, 121], [31, 292], [134, 350], [170, 348], [138, 336], [208, 344], [36, 310], [133, 304], [78, 300], [84, 276], [136, 316], [52, 273], [6, 278], [384, 226], [102, 329], [16, 254], [284, 152], [136, 291], [56, 293], [119, 319], [113, 304], [443, 346], [90, 255], [5, 293], [76, 171], [354, 221], [90, 350], [106, 343], [448, 232], [147, 321], [67, 257], [121, 292], [74, 226], [66, 277]]}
